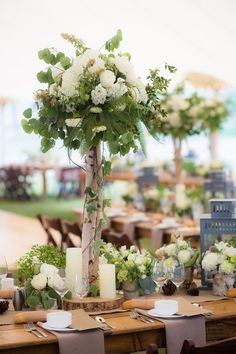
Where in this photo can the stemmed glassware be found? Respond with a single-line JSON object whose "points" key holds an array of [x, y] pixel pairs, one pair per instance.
{"points": [[159, 274], [81, 287], [60, 284], [177, 274], [3, 267]]}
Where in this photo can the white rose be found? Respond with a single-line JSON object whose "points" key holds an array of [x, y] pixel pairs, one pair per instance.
{"points": [[107, 78], [131, 78], [226, 267], [39, 281], [48, 269], [182, 244], [229, 251], [118, 89], [170, 250], [169, 263], [89, 56], [97, 67], [56, 281], [220, 245], [210, 261], [184, 256], [123, 64], [131, 257]]}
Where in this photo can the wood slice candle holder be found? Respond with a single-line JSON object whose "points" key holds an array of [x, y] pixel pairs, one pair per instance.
{"points": [[93, 304]]}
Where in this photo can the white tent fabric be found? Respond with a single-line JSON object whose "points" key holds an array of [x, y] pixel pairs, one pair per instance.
{"points": [[193, 35]]}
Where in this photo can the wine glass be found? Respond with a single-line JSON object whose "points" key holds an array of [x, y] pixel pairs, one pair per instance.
{"points": [[159, 274], [60, 284], [3, 267], [177, 275], [81, 287]]}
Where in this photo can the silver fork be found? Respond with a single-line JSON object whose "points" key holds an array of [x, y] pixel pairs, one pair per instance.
{"points": [[28, 329], [137, 316], [34, 328]]}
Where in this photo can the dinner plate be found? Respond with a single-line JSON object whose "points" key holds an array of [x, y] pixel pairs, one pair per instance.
{"points": [[153, 313], [166, 226], [67, 329]]}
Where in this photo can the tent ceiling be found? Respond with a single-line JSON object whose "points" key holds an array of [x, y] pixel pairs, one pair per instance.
{"points": [[193, 35]]}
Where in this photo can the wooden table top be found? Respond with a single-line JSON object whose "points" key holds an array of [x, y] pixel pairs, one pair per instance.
{"points": [[129, 334]]}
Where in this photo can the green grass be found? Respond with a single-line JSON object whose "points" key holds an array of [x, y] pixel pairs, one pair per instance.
{"points": [[51, 207]]}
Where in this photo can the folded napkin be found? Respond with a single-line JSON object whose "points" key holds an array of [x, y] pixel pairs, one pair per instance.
{"points": [[6, 293], [191, 327], [86, 342], [89, 338]]}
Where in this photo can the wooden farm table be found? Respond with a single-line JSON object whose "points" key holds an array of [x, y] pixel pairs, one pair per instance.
{"points": [[130, 176], [129, 335], [144, 229]]}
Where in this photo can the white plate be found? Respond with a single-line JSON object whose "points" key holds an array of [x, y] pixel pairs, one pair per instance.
{"points": [[166, 226], [67, 329], [153, 313]]}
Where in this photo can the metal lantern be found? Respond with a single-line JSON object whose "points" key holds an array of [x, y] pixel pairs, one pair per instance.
{"points": [[146, 177], [220, 224], [218, 186]]}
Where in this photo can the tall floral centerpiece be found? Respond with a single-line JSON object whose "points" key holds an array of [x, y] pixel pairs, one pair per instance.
{"points": [[214, 114], [89, 100], [183, 119]]}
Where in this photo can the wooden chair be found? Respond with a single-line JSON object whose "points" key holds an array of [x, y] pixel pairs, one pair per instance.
{"points": [[116, 239], [72, 233], [53, 229], [221, 347], [152, 349]]}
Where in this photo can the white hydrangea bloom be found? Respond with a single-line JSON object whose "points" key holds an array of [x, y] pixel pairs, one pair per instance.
{"points": [[131, 78], [210, 261], [169, 263], [131, 257], [142, 268], [170, 249], [48, 269], [176, 103], [124, 252], [39, 281], [107, 78], [99, 95], [174, 119], [184, 256], [73, 122], [226, 267], [118, 89]]}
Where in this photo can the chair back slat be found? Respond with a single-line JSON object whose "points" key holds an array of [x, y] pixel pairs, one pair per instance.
{"points": [[221, 347]]}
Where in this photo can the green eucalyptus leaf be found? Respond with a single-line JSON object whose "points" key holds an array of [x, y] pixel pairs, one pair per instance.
{"points": [[27, 113], [26, 126], [33, 300]]}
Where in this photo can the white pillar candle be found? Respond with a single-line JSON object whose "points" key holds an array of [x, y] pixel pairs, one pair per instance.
{"points": [[7, 283], [73, 267], [107, 281]]}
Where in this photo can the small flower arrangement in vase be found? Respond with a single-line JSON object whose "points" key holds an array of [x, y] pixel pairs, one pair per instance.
{"points": [[178, 252], [133, 269], [220, 262], [38, 270], [153, 196]]}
